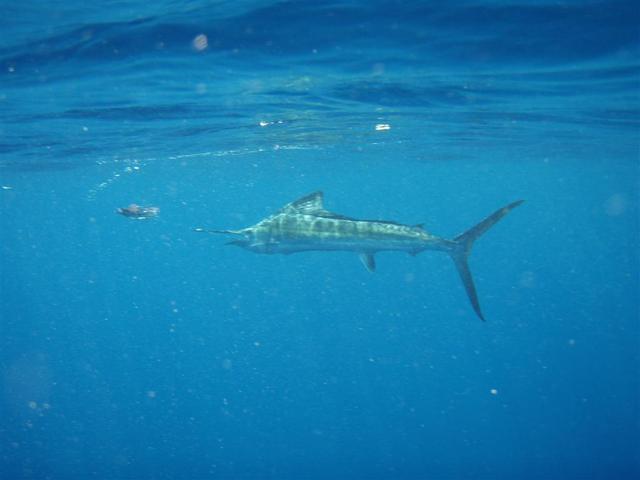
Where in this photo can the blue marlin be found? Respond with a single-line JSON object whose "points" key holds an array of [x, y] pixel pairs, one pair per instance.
{"points": [[305, 225]]}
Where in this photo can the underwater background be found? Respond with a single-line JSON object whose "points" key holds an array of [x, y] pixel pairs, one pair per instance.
{"points": [[138, 349]]}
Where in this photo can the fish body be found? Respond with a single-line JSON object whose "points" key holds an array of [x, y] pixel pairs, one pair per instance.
{"points": [[305, 225], [138, 212], [298, 232]]}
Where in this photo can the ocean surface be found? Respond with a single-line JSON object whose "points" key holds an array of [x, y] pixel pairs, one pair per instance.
{"points": [[140, 349]]}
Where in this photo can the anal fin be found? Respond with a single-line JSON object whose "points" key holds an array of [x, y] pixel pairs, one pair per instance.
{"points": [[369, 261]]}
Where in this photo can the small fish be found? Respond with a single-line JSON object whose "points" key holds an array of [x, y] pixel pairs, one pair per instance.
{"points": [[138, 212], [305, 225]]}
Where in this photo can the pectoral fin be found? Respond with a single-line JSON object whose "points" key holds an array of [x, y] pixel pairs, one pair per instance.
{"points": [[369, 261], [238, 243]]}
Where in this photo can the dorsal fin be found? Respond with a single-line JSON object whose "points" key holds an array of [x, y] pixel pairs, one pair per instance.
{"points": [[309, 204]]}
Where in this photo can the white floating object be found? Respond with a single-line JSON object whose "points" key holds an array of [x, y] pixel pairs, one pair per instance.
{"points": [[383, 126], [200, 42]]}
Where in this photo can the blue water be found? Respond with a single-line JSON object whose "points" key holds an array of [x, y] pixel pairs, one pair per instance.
{"points": [[138, 349]]}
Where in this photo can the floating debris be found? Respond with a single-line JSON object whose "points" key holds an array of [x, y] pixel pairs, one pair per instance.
{"points": [[200, 42]]}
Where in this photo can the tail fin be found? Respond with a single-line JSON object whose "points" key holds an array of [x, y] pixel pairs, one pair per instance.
{"points": [[462, 248]]}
